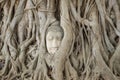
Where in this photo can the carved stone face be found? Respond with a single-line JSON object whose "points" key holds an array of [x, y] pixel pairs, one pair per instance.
{"points": [[53, 41]]}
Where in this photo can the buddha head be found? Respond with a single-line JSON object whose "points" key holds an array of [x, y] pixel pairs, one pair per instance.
{"points": [[54, 36]]}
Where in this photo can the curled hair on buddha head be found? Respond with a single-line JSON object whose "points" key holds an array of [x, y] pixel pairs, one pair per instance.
{"points": [[55, 27]]}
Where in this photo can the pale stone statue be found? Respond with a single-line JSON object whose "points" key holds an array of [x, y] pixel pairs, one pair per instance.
{"points": [[54, 37]]}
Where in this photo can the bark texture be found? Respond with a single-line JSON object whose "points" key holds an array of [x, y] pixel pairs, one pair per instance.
{"points": [[90, 48]]}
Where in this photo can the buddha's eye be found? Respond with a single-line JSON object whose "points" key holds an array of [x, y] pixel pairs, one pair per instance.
{"points": [[59, 38], [50, 38]]}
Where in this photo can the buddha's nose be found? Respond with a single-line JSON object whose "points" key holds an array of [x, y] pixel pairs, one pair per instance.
{"points": [[55, 43]]}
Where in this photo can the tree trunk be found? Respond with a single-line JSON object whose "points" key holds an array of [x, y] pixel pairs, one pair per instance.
{"points": [[89, 46]]}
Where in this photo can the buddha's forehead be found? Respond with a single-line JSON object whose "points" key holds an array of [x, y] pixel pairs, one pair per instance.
{"points": [[55, 30], [54, 33]]}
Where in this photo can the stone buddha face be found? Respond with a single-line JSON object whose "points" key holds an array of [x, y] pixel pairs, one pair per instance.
{"points": [[53, 38]]}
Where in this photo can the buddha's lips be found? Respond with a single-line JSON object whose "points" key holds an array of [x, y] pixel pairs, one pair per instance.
{"points": [[53, 50]]}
